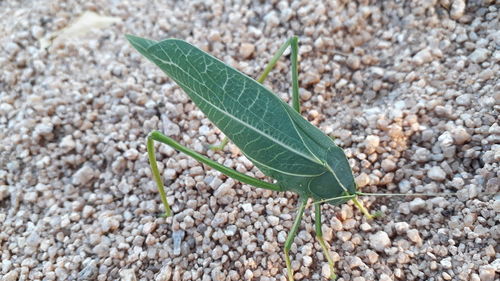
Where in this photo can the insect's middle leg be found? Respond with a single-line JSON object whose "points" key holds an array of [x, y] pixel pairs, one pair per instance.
{"points": [[293, 42], [319, 236]]}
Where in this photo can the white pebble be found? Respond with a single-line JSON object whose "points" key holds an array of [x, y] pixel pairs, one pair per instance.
{"points": [[307, 261], [487, 273], [247, 208], [371, 143], [422, 155], [479, 55], [457, 9], [423, 56], [149, 227], [446, 263], [83, 176], [414, 236], [11, 276], [128, 275], [385, 277], [401, 227], [417, 204], [67, 143], [5, 108], [436, 173], [273, 220], [379, 241]]}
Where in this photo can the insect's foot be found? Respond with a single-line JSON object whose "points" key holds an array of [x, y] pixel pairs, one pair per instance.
{"points": [[165, 215], [333, 276], [216, 148], [377, 214]]}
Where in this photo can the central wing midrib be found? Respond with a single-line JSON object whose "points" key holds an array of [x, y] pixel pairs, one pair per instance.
{"points": [[251, 127], [228, 114]]}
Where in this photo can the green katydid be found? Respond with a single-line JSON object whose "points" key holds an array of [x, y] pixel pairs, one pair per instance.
{"points": [[270, 133]]}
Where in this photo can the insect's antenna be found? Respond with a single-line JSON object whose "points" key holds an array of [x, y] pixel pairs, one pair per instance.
{"points": [[442, 194], [352, 196]]}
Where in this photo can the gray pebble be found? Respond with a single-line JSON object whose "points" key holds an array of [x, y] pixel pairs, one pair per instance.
{"points": [[422, 155], [89, 272], [463, 99], [177, 237]]}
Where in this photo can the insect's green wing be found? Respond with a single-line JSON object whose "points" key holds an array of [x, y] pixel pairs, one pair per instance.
{"points": [[268, 131]]}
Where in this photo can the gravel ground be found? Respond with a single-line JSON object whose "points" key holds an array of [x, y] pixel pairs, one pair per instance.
{"points": [[409, 88]]}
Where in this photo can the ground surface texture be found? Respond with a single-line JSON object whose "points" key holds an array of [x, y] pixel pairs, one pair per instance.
{"points": [[410, 90]]}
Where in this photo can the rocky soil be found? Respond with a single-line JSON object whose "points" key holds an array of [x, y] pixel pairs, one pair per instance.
{"points": [[410, 89]]}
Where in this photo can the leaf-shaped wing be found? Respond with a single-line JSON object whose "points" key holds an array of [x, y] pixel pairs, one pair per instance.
{"points": [[267, 130]]}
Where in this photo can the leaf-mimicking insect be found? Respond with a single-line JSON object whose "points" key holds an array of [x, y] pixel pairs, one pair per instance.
{"points": [[269, 132]]}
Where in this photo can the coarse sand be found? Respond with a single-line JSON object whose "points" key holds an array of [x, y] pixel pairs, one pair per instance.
{"points": [[410, 90]]}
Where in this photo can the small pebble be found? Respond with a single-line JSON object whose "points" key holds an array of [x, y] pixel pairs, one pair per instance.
{"points": [[246, 50], [417, 204], [83, 176], [479, 55], [380, 241], [436, 173], [388, 165]]}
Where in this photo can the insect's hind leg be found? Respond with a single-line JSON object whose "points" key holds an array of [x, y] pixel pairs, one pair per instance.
{"points": [[294, 45], [291, 237], [319, 236], [158, 136]]}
